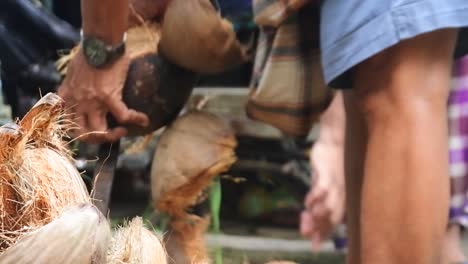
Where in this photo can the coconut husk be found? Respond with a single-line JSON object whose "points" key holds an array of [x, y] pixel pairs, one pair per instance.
{"points": [[37, 177], [78, 236], [193, 150], [135, 244], [196, 37], [154, 86], [185, 240]]}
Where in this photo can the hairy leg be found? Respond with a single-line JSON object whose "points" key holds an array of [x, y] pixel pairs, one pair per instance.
{"points": [[402, 94]]}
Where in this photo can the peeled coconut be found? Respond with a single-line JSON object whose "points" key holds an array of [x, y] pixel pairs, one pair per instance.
{"points": [[78, 236], [193, 150], [37, 178], [135, 244], [153, 86]]}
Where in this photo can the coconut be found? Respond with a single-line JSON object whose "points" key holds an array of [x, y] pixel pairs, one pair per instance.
{"points": [[37, 178], [78, 236], [154, 86], [193, 150], [135, 244], [196, 37]]}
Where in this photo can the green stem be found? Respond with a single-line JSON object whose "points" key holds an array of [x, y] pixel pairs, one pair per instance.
{"points": [[215, 208]]}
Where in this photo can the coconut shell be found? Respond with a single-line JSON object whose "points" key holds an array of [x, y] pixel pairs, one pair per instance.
{"points": [[154, 86], [157, 88], [79, 235], [196, 37], [193, 150], [135, 244]]}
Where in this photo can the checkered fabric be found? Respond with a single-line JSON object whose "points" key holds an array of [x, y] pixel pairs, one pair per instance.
{"points": [[458, 143], [287, 88]]}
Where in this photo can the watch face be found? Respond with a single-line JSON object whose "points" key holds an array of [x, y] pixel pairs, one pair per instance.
{"points": [[95, 52]]}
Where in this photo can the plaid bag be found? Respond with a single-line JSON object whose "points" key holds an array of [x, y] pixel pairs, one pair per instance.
{"points": [[287, 89]]}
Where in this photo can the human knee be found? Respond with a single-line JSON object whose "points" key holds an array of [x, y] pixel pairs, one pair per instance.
{"points": [[385, 86]]}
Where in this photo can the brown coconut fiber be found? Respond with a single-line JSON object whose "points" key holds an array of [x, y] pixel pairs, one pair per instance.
{"points": [[193, 150], [37, 178]]}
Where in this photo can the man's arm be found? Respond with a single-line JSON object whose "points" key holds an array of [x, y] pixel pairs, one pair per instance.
{"points": [[325, 202], [92, 93], [332, 122], [105, 19]]}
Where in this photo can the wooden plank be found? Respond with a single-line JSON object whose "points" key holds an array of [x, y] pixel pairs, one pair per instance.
{"points": [[253, 250]]}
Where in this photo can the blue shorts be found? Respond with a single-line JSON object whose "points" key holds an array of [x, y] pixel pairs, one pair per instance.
{"points": [[351, 31]]}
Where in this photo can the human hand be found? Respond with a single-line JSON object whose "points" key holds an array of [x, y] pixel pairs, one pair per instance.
{"points": [[90, 94], [325, 202]]}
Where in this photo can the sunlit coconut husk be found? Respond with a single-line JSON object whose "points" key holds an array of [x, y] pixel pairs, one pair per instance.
{"points": [[193, 150], [154, 85], [79, 235], [135, 244], [37, 178]]}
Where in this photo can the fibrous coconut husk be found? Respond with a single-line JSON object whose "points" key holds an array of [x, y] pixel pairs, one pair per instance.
{"points": [[135, 244], [193, 150], [154, 86], [185, 240], [78, 236], [37, 178], [196, 37]]}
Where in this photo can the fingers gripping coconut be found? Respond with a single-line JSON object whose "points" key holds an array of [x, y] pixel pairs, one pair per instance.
{"points": [[192, 151]]}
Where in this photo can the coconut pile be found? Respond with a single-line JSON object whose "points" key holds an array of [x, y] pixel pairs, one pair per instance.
{"points": [[46, 215]]}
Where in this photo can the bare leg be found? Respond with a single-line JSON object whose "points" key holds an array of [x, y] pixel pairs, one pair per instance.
{"points": [[402, 94], [355, 147]]}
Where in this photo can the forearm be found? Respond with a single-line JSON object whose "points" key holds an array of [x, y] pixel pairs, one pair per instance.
{"points": [[333, 122], [105, 19]]}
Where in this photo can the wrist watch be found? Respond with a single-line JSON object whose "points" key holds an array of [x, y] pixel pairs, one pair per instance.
{"points": [[98, 54]]}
